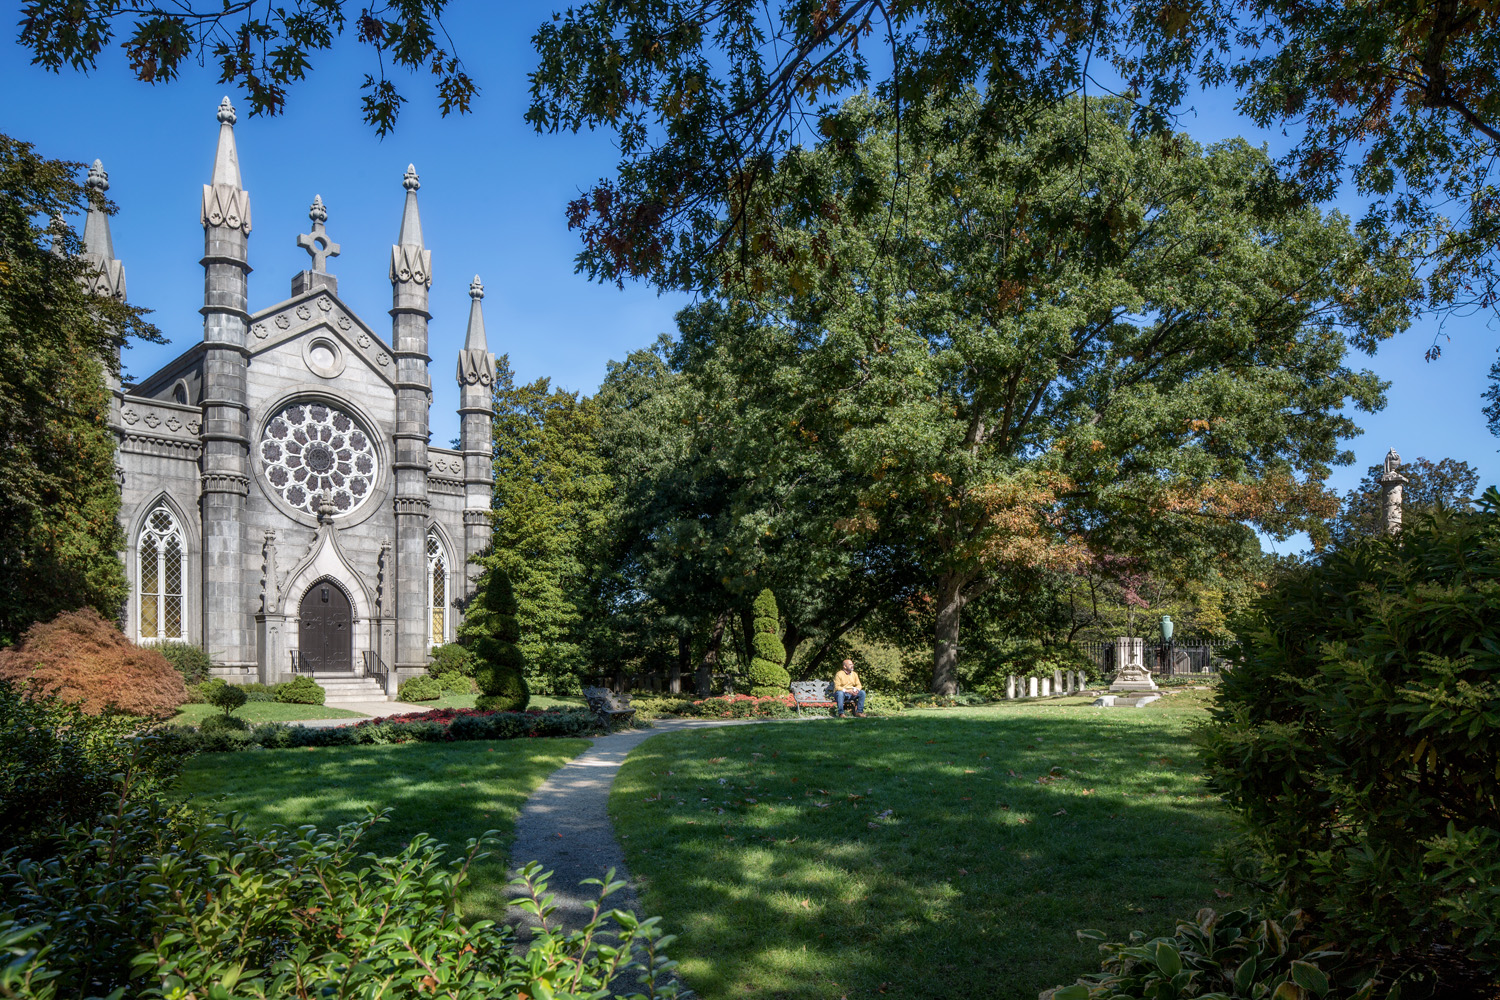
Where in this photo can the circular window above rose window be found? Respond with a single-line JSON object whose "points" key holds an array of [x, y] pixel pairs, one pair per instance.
{"points": [[309, 449]]}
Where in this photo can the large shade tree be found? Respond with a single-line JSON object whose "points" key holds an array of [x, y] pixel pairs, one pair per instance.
{"points": [[1030, 358], [59, 502]]}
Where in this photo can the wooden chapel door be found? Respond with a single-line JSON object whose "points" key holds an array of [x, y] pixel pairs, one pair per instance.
{"points": [[327, 629]]}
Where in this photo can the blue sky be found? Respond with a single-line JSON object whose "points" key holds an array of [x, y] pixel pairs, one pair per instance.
{"points": [[493, 198]]}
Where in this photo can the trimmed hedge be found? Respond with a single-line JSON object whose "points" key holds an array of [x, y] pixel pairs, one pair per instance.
{"points": [[491, 631], [191, 661], [768, 676], [422, 688], [438, 726], [301, 691]]}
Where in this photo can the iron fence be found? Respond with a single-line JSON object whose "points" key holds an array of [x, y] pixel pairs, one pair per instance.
{"points": [[1180, 657]]}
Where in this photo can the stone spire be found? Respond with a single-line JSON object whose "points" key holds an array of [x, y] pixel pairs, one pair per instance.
{"points": [[411, 277], [228, 628], [319, 247], [225, 202], [476, 383], [98, 245]]}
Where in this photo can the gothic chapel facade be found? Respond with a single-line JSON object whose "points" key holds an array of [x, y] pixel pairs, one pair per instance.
{"points": [[282, 506]]}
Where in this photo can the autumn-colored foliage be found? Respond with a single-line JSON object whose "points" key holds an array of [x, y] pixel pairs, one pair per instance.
{"points": [[86, 661]]}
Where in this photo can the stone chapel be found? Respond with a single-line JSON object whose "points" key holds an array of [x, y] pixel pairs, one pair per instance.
{"points": [[282, 505]]}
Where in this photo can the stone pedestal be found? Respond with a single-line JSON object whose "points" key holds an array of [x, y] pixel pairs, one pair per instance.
{"points": [[1130, 666], [273, 663]]}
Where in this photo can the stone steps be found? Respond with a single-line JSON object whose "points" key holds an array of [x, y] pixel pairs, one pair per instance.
{"points": [[345, 688]]}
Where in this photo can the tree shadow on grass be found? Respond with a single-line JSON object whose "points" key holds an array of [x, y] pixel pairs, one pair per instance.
{"points": [[922, 857], [450, 791]]}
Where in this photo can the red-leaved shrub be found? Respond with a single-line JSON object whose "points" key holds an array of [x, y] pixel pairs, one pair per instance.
{"points": [[86, 661]]}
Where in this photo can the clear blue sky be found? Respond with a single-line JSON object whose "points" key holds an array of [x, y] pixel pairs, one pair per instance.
{"points": [[493, 198]]}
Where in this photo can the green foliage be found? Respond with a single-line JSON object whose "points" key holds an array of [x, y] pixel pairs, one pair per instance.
{"points": [[1359, 735], [155, 899], [550, 504], [225, 697], [255, 691], [59, 765], [1448, 483], [438, 726], [301, 691], [420, 689], [453, 667], [1243, 955], [768, 676], [59, 505], [191, 661], [225, 723], [490, 631]]}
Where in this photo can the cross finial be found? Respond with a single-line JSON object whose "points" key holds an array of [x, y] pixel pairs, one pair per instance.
{"points": [[317, 244], [226, 112]]}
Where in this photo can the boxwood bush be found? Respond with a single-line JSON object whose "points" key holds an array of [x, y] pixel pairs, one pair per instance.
{"points": [[301, 691], [421, 688], [1359, 737]]}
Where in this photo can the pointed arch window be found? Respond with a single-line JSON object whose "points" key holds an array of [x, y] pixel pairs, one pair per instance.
{"points": [[437, 589], [161, 570]]}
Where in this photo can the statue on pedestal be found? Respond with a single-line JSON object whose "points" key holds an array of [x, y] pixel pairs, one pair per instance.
{"points": [[1130, 666]]}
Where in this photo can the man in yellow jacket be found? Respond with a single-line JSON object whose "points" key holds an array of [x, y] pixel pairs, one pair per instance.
{"points": [[846, 687]]}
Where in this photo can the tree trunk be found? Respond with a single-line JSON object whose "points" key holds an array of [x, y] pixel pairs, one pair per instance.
{"points": [[747, 633], [711, 656], [682, 665], [791, 640], [951, 602]]}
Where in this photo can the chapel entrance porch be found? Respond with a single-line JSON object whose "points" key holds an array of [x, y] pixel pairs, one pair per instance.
{"points": [[326, 630]]}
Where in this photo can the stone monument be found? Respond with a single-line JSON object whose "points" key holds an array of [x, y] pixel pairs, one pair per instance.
{"points": [[1130, 666], [1391, 482]]}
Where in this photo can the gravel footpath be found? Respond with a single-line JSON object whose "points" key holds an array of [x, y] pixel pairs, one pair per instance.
{"points": [[565, 824]]}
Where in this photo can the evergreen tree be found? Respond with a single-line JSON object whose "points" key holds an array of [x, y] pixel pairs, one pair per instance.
{"points": [[768, 676], [59, 504], [490, 631]]}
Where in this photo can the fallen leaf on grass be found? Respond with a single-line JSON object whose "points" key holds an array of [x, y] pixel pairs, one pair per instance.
{"points": [[1222, 894], [806, 903], [821, 805], [1061, 812]]}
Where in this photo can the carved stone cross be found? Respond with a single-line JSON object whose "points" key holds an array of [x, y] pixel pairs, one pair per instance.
{"points": [[317, 244]]}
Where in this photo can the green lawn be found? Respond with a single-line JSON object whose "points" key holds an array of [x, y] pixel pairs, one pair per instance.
{"points": [[256, 712], [918, 855], [453, 791]]}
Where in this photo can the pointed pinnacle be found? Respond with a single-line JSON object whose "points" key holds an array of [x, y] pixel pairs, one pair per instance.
{"points": [[411, 218], [475, 339], [98, 178], [476, 288]]}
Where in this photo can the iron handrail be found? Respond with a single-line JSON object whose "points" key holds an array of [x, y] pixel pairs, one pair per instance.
{"points": [[375, 667]]}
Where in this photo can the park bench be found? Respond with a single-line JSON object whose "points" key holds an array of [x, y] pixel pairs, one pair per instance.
{"points": [[813, 694], [608, 706]]}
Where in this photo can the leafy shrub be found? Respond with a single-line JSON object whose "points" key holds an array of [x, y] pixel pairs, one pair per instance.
{"points": [[883, 704], [744, 706], [453, 666], [223, 723], [301, 691], [768, 677], [491, 632], [649, 708], [191, 661], [1243, 955], [256, 691], [87, 661], [946, 701], [225, 697], [422, 688], [159, 900], [1358, 738], [59, 764]]}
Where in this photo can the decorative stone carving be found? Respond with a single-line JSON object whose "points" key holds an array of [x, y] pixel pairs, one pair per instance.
{"points": [[130, 415], [173, 424], [1391, 482], [363, 340], [309, 449], [304, 313], [226, 204], [382, 359], [222, 482], [1130, 666], [345, 323], [382, 564], [317, 244], [270, 585], [152, 420], [411, 505], [260, 331], [283, 321], [325, 304]]}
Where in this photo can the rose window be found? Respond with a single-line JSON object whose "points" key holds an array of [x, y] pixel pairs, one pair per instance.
{"points": [[310, 449]]}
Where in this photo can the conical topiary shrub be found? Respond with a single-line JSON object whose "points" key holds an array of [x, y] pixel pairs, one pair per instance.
{"points": [[768, 678], [490, 631]]}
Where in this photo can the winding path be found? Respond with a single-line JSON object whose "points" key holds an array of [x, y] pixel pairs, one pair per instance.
{"points": [[565, 824]]}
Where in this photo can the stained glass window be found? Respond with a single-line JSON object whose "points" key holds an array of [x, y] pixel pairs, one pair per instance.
{"points": [[437, 592], [162, 571], [310, 448]]}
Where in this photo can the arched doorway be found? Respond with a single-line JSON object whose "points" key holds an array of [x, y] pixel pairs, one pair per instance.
{"points": [[326, 629]]}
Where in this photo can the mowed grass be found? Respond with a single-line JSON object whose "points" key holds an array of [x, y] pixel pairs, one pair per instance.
{"points": [[452, 791], [256, 712], [935, 854]]}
